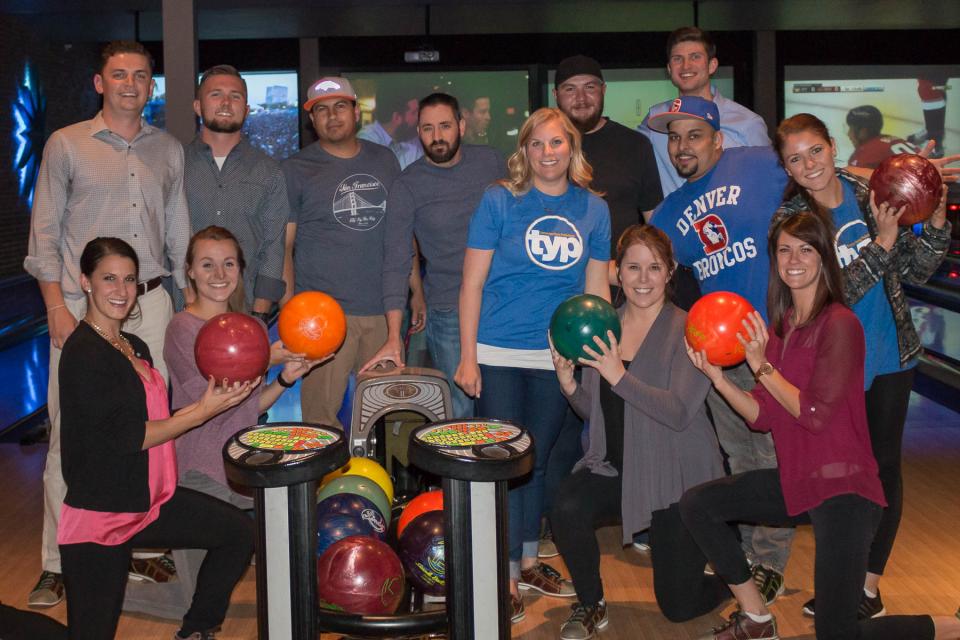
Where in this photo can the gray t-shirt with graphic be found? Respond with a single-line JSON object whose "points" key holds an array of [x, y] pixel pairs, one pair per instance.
{"points": [[339, 206]]}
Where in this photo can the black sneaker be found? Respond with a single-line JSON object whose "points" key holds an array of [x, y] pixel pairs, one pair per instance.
{"points": [[769, 582], [584, 621], [869, 607]]}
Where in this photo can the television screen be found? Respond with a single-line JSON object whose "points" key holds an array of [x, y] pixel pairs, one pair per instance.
{"points": [[631, 92], [494, 103], [273, 121], [893, 109]]}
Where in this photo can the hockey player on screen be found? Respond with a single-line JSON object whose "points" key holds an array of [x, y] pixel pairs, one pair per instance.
{"points": [[870, 145]]}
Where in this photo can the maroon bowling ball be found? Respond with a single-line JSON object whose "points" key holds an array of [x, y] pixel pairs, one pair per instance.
{"points": [[911, 180], [234, 346], [360, 575], [421, 550]]}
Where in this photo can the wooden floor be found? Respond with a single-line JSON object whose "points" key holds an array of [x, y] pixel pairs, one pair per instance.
{"points": [[923, 574]]}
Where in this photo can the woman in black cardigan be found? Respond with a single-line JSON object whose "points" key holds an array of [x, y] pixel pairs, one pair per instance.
{"points": [[119, 463]]}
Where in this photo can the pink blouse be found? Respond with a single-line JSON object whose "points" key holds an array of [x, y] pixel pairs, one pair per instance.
{"points": [[110, 529]]}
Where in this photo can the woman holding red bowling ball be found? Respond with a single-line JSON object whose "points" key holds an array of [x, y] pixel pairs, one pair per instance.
{"points": [[119, 462], [649, 440], [537, 238], [809, 395], [214, 268], [876, 255]]}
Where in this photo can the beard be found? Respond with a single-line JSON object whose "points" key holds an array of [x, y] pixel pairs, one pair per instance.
{"points": [[222, 125], [443, 152], [587, 123]]}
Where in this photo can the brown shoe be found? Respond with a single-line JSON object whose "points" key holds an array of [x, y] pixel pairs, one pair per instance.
{"points": [[547, 580], [516, 609], [741, 627], [48, 591]]}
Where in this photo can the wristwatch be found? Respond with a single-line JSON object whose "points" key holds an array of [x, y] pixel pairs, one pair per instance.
{"points": [[764, 369]]}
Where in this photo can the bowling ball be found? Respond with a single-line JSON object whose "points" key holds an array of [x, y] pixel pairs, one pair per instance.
{"points": [[713, 323], [332, 528], [313, 323], [367, 468], [577, 320], [423, 503], [360, 486], [421, 551], [350, 504], [911, 180], [234, 346], [360, 575]]}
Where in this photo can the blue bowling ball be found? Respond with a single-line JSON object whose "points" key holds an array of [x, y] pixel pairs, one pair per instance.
{"points": [[333, 528], [351, 504]]}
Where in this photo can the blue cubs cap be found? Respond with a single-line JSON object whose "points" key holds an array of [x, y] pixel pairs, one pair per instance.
{"points": [[687, 108]]}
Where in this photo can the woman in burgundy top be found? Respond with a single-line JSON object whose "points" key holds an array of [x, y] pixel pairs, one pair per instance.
{"points": [[809, 370]]}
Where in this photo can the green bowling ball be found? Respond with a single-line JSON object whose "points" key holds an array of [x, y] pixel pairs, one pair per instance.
{"points": [[360, 486], [577, 320]]}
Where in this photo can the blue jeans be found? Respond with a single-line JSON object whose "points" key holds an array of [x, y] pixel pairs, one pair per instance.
{"points": [[531, 398], [443, 342]]}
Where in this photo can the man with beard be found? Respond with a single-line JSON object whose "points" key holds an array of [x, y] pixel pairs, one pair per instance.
{"points": [[433, 201], [395, 126], [338, 188], [232, 184]]}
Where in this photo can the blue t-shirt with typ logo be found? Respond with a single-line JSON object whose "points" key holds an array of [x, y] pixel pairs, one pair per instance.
{"points": [[718, 224], [541, 245], [873, 309]]}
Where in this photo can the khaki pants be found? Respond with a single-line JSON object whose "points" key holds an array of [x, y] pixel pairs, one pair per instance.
{"points": [[151, 327], [321, 393]]}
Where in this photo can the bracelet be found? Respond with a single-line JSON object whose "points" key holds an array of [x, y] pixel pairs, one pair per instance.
{"points": [[56, 306], [283, 383]]}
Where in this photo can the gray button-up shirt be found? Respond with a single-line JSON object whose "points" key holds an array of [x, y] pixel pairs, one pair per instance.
{"points": [[248, 197], [94, 183]]}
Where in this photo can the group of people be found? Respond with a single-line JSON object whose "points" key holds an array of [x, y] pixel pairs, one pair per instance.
{"points": [[502, 244]]}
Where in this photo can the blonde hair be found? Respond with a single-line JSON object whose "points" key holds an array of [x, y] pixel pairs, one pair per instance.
{"points": [[520, 172]]}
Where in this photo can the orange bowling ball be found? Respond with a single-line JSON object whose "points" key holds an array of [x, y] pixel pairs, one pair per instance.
{"points": [[312, 323], [713, 323], [423, 503]]}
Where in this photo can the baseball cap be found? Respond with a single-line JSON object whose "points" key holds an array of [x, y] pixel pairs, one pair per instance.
{"points": [[575, 66], [329, 87], [687, 108]]}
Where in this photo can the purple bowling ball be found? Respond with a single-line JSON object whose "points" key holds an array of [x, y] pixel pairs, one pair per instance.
{"points": [[420, 549], [333, 528], [351, 504]]}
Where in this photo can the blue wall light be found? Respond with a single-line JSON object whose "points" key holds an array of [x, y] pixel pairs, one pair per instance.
{"points": [[29, 117]]}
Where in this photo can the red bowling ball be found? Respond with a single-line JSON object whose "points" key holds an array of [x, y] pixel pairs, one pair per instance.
{"points": [[234, 346], [908, 180], [713, 323], [360, 575]]}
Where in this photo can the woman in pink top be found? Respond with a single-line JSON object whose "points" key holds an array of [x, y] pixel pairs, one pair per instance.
{"points": [[120, 465], [809, 371]]}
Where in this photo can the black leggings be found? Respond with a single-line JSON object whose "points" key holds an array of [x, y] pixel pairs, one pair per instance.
{"points": [[586, 501], [843, 527], [887, 401], [95, 576]]}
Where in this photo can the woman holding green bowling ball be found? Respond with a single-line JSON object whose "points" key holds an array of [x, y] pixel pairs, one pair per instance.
{"points": [[649, 441], [537, 238]]}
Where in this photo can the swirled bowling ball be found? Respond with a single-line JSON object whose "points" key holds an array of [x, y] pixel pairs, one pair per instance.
{"points": [[360, 575], [358, 485], [713, 323], [423, 503], [349, 504], [421, 550], [234, 346], [312, 323], [335, 527], [577, 320], [908, 180]]}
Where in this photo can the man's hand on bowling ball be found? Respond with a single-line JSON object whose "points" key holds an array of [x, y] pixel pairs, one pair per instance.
{"points": [[564, 367], [888, 222], [699, 360], [467, 377], [279, 354], [391, 351], [418, 313], [949, 174], [754, 339], [60, 324], [605, 359]]}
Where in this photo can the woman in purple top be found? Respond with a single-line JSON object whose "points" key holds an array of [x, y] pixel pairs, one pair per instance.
{"points": [[215, 269], [809, 394]]}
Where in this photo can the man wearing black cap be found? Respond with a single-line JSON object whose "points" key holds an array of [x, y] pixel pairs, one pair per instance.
{"points": [[870, 145]]}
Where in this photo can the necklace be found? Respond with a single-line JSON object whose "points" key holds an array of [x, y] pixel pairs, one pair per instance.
{"points": [[550, 209], [128, 352]]}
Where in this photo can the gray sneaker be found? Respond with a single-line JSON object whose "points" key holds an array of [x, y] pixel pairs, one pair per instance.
{"points": [[585, 621], [548, 548], [48, 592]]}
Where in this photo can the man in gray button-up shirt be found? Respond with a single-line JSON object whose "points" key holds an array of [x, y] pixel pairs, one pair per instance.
{"points": [[232, 184], [116, 176]]}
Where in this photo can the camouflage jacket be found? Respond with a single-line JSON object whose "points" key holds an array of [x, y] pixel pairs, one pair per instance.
{"points": [[912, 260]]}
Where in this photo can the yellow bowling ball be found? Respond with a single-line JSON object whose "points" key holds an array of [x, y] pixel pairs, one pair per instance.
{"points": [[366, 468]]}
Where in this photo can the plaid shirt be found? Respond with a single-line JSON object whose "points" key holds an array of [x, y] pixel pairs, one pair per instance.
{"points": [[94, 183]]}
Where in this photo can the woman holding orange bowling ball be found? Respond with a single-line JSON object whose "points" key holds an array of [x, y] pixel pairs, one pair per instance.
{"points": [[876, 255], [119, 462], [649, 441], [809, 395], [536, 239]]}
